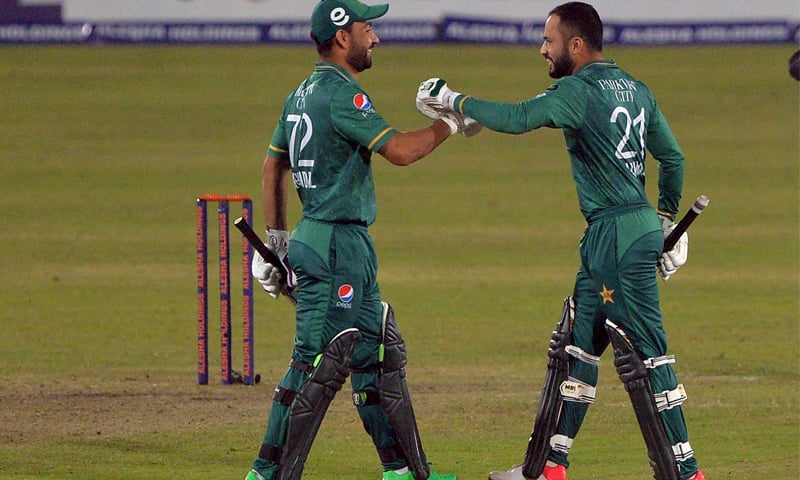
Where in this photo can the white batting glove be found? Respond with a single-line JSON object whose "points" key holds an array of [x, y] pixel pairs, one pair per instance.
{"points": [[460, 123], [671, 261], [435, 100], [427, 110], [268, 275], [434, 97]]}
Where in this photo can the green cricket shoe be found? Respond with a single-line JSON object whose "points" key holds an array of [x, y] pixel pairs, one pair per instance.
{"points": [[253, 475], [390, 475]]}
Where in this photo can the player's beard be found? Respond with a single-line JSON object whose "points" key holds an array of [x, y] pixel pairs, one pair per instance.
{"points": [[359, 58], [562, 65]]}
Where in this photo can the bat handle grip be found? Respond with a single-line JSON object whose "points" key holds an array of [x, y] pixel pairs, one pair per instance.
{"points": [[267, 254], [699, 205]]}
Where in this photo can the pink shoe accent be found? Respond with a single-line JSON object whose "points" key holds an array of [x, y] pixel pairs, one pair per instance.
{"points": [[560, 473]]}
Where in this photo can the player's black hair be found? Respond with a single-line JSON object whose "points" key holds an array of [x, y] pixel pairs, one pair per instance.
{"points": [[324, 48], [580, 19]]}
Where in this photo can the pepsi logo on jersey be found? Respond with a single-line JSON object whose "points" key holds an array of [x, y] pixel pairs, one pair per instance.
{"points": [[362, 102], [346, 293]]}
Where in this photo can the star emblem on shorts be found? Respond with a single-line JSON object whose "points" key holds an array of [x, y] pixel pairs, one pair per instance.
{"points": [[607, 295]]}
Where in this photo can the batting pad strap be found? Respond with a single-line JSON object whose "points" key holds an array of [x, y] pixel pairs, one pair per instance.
{"points": [[362, 399], [284, 396], [682, 451], [582, 355], [561, 443], [270, 453], [375, 368], [573, 390], [668, 399], [658, 361], [304, 367]]}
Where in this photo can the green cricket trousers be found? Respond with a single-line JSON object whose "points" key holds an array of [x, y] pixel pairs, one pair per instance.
{"points": [[617, 280], [336, 268]]}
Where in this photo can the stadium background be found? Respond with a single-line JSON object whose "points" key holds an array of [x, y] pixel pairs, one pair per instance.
{"points": [[111, 126]]}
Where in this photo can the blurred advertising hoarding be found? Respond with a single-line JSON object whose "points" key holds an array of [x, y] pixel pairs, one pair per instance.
{"points": [[257, 11], [408, 21]]}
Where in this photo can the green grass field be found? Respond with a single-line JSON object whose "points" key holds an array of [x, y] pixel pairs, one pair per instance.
{"points": [[103, 150]]}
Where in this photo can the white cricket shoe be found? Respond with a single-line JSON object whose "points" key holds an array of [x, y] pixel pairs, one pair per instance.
{"points": [[551, 471], [514, 474]]}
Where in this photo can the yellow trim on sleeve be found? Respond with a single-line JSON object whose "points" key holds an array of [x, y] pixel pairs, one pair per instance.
{"points": [[378, 137], [279, 151], [671, 216], [460, 106]]}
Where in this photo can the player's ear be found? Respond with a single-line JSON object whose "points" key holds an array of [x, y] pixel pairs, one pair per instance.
{"points": [[342, 37], [575, 45]]}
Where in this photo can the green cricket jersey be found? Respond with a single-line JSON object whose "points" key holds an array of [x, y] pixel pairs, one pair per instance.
{"points": [[609, 120], [328, 131]]}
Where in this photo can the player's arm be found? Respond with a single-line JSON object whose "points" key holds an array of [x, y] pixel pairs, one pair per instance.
{"points": [[663, 145], [405, 148], [552, 108], [560, 106], [513, 118], [274, 181], [274, 194], [369, 128]]}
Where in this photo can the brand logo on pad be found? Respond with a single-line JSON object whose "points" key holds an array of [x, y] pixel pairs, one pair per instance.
{"points": [[362, 102]]}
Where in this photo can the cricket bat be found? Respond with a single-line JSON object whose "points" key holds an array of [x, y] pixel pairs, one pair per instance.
{"points": [[699, 205], [262, 250]]}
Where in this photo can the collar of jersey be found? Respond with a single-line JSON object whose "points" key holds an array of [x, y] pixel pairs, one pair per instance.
{"points": [[332, 67], [604, 63]]}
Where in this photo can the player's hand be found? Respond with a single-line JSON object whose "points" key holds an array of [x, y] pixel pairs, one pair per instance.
{"points": [[434, 98], [671, 261], [460, 123], [268, 275]]}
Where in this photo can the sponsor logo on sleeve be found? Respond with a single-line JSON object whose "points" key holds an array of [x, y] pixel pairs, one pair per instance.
{"points": [[362, 102]]}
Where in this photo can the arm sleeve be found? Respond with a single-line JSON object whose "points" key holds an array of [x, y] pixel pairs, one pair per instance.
{"points": [[359, 121], [665, 149], [560, 106], [278, 147]]}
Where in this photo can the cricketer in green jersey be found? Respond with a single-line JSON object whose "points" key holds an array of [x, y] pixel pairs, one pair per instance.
{"points": [[609, 120], [324, 141]]}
